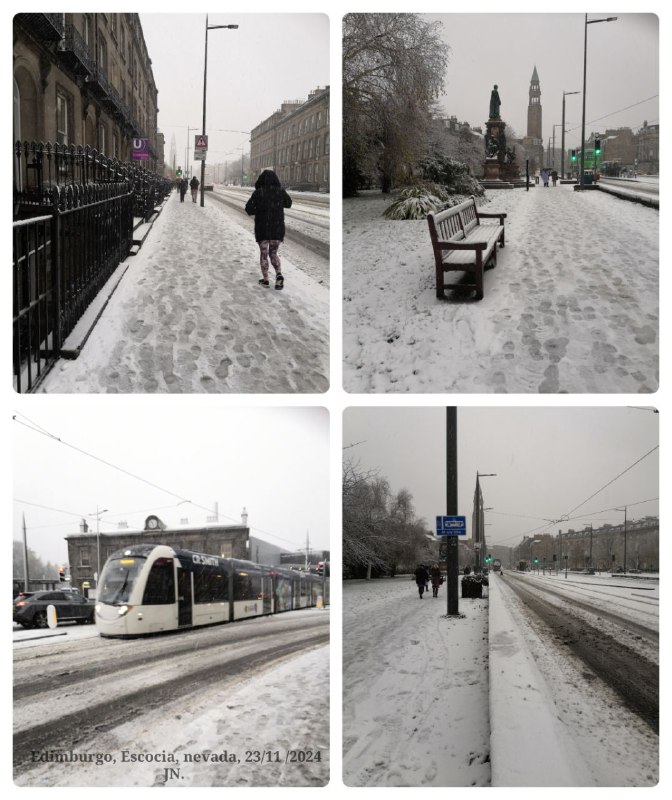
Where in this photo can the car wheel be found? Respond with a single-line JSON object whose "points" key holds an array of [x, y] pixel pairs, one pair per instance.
{"points": [[40, 620]]}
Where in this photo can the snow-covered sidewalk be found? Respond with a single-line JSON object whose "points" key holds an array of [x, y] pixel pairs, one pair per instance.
{"points": [[190, 316], [415, 687], [572, 305]]}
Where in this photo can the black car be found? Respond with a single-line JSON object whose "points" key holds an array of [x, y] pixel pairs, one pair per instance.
{"points": [[31, 612]]}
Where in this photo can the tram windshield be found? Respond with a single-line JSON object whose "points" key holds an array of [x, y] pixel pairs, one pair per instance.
{"points": [[118, 579]]}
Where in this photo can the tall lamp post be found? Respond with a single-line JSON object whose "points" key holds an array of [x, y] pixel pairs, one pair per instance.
{"points": [[583, 115], [205, 85], [99, 511], [564, 94]]}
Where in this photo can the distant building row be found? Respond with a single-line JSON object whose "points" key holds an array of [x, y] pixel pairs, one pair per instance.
{"points": [[294, 142]]}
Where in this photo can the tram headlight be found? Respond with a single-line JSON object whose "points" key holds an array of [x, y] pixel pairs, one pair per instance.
{"points": [[123, 610]]}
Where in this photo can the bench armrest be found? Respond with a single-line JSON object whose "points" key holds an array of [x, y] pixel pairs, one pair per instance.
{"points": [[501, 217]]}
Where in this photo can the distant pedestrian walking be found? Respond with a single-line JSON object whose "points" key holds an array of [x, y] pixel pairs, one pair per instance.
{"points": [[267, 205], [421, 578], [544, 176], [194, 183], [183, 189], [554, 176], [435, 573]]}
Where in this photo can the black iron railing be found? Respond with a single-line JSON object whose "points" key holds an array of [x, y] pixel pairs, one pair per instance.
{"points": [[75, 212]]}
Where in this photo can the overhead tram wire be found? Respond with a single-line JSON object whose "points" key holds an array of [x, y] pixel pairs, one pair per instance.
{"points": [[612, 113], [35, 427]]}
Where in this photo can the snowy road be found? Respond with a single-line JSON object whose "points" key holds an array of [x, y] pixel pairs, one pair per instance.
{"points": [[598, 691], [415, 688], [572, 305], [239, 688], [189, 316]]}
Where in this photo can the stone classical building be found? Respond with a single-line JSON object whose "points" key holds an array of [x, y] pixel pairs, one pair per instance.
{"points": [[85, 79], [294, 142], [88, 550]]}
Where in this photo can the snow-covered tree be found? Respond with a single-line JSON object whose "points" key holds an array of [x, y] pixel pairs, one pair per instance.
{"points": [[393, 68]]}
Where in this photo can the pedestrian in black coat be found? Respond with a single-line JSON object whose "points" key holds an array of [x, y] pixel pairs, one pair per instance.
{"points": [[193, 185], [267, 205], [183, 189]]}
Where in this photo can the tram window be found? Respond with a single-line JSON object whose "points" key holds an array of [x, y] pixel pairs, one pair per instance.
{"points": [[246, 587], [160, 588], [210, 587]]}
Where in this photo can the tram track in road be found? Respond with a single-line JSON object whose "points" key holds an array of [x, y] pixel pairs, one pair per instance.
{"points": [[315, 245], [637, 629], [124, 654], [68, 730], [629, 674]]}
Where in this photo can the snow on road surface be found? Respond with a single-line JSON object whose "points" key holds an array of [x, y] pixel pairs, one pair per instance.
{"points": [[572, 305], [554, 721], [190, 316], [234, 705], [415, 688]]}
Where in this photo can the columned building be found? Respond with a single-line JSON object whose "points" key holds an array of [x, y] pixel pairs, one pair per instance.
{"points": [[534, 141], [88, 550], [85, 79], [294, 142]]}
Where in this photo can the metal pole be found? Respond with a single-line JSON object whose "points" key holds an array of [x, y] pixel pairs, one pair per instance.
{"points": [[451, 510], [625, 540], [205, 84], [562, 168], [25, 557], [590, 556], [583, 113]]}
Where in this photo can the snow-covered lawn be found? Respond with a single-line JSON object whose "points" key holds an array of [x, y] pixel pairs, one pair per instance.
{"points": [[415, 688], [572, 305]]}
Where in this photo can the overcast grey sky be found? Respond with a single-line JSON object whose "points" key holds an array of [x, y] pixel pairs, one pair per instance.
{"points": [[270, 58], [272, 461], [503, 49], [547, 461]]}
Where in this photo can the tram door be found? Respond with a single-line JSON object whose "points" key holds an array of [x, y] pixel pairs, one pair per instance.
{"points": [[184, 604], [267, 591]]}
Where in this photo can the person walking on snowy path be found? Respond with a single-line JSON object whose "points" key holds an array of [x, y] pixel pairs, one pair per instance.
{"points": [[421, 578], [435, 573], [183, 189], [267, 205], [194, 183]]}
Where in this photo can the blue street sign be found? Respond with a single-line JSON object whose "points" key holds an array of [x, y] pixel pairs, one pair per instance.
{"points": [[451, 526]]}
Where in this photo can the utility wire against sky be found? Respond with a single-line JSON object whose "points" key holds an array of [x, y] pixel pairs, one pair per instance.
{"points": [[612, 113], [34, 426]]}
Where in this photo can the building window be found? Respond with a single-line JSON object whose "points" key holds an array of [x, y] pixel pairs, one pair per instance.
{"points": [[84, 557], [101, 138], [326, 145], [102, 54], [62, 119], [317, 147]]}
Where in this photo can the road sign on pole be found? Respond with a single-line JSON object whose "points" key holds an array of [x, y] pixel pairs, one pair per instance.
{"points": [[201, 141], [451, 526]]}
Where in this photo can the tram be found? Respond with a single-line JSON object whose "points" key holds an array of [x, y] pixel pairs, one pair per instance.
{"points": [[151, 588]]}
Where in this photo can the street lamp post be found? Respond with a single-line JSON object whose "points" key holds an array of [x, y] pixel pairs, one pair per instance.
{"points": [[583, 115], [98, 513], [564, 94], [205, 85]]}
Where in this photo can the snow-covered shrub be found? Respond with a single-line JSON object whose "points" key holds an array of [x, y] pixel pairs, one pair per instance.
{"points": [[453, 175], [414, 203]]}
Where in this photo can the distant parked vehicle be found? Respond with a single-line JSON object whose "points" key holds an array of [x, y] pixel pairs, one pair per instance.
{"points": [[31, 612]]}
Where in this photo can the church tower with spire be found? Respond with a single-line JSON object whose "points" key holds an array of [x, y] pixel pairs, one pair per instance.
{"points": [[534, 142], [534, 109]]}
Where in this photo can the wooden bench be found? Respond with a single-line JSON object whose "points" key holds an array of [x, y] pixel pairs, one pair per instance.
{"points": [[461, 243]]}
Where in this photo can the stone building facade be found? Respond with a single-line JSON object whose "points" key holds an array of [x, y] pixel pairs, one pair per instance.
{"points": [[85, 79], [294, 142], [88, 550]]}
